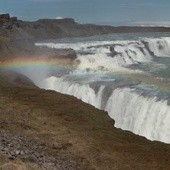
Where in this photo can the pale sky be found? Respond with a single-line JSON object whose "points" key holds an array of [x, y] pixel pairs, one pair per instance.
{"points": [[115, 12]]}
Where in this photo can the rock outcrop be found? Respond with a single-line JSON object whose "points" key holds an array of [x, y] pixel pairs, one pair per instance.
{"points": [[4, 16], [6, 21]]}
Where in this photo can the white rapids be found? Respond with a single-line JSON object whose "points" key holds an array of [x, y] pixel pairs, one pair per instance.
{"points": [[131, 111], [109, 55], [143, 113]]}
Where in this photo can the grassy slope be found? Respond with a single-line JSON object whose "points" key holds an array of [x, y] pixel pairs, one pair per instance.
{"points": [[95, 143]]}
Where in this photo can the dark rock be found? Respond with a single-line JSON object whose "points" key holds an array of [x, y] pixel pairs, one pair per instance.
{"points": [[57, 146], [13, 19], [61, 146], [11, 158], [32, 158], [8, 26], [3, 124], [161, 47], [69, 144], [66, 53], [58, 21], [148, 49], [4, 16], [142, 50], [68, 20], [113, 51]]}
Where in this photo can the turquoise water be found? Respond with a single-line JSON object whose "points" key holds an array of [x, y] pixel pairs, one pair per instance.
{"points": [[158, 68]]}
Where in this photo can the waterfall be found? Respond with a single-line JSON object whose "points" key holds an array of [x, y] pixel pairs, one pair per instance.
{"points": [[144, 113], [110, 55], [146, 116]]}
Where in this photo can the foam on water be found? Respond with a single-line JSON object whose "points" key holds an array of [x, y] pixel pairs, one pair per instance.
{"points": [[109, 55], [146, 116], [135, 106], [159, 46]]}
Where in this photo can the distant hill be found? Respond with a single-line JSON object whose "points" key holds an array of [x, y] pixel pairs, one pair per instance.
{"points": [[18, 37]]}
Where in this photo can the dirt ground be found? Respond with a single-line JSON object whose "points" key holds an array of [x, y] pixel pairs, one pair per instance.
{"points": [[46, 130]]}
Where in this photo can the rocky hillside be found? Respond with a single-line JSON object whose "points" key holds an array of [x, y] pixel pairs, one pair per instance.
{"points": [[18, 37], [59, 28]]}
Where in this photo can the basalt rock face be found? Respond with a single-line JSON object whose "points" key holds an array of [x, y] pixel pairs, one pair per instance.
{"points": [[6, 21], [4, 16]]}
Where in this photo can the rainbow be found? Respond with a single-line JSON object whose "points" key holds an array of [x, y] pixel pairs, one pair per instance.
{"points": [[40, 64], [36, 63]]}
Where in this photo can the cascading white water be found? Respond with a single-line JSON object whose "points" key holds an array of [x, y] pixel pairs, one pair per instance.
{"points": [[145, 115], [83, 92], [131, 111], [141, 115], [160, 46], [110, 55]]}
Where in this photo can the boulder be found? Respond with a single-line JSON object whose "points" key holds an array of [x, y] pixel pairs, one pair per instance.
{"points": [[57, 146], [13, 19], [113, 51], [4, 16], [7, 25]]}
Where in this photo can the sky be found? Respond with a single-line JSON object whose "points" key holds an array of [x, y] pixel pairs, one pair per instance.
{"points": [[115, 12]]}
